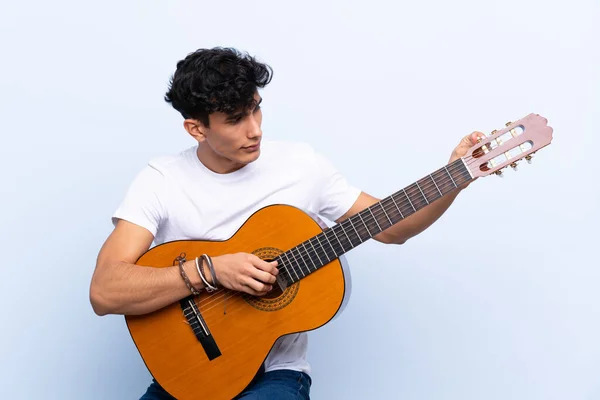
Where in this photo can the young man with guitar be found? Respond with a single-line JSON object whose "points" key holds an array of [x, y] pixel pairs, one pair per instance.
{"points": [[207, 192]]}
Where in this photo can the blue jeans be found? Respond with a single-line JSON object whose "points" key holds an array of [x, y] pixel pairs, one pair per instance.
{"points": [[281, 384]]}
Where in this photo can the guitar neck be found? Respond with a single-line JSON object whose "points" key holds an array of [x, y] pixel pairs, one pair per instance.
{"points": [[328, 245]]}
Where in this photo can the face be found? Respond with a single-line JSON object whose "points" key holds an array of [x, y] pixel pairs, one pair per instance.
{"points": [[230, 141]]}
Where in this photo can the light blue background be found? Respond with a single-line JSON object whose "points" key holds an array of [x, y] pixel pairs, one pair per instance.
{"points": [[498, 300]]}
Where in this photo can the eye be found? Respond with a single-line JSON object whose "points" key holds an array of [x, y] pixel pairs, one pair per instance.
{"points": [[235, 120], [257, 108]]}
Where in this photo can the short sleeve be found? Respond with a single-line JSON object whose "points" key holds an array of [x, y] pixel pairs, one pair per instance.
{"points": [[336, 195], [144, 202]]}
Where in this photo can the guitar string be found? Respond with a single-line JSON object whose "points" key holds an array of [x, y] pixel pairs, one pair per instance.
{"points": [[352, 230], [377, 215], [302, 253], [212, 299], [284, 266], [428, 186]]}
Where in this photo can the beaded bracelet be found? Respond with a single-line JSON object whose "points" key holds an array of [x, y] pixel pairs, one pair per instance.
{"points": [[200, 269], [187, 281]]}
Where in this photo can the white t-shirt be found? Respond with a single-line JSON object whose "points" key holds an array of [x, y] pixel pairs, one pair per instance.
{"points": [[178, 198]]}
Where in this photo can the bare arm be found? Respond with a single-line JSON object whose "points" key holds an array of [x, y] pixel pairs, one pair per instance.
{"points": [[425, 217], [408, 227], [119, 286]]}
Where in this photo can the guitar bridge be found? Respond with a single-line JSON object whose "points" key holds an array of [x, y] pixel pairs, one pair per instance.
{"points": [[200, 328]]}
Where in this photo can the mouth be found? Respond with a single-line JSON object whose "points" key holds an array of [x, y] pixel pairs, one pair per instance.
{"points": [[253, 147]]}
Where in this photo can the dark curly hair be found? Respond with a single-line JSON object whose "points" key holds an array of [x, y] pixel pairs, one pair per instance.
{"points": [[216, 80]]}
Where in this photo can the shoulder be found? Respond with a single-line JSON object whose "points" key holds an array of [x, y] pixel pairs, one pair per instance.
{"points": [[163, 164], [157, 171]]}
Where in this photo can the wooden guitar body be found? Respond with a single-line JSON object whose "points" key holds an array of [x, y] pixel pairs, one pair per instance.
{"points": [[244, 328]]}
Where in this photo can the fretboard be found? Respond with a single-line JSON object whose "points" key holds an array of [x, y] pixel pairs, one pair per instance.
{"points": [[312, 254]]}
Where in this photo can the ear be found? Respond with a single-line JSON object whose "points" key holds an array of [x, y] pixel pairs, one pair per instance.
{"points": [[196, 129]]}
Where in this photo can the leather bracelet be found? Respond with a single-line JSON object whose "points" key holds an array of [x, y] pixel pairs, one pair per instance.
{"points": [[187, 281], [200, 269], [208, 260]]}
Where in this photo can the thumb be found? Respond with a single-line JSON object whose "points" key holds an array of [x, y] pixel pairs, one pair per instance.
{"points": [[473, 138]]}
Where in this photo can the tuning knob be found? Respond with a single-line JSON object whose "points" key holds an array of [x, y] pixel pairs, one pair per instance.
{"points": [[528, 158], [508, 123], [499, 173], [513, 166]]}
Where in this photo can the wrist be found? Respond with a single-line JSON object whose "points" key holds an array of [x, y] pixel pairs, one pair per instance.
{"points": [[208, 272], [190, 269]]}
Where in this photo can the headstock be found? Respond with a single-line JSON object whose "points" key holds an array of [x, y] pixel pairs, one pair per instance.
{"points": [[518, 140]]}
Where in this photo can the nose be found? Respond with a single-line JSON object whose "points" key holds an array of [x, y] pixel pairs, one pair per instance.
{"points": [[253, 127]]}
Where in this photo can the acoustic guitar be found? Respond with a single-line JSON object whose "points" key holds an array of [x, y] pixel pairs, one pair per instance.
{"points": [[215, 343]]}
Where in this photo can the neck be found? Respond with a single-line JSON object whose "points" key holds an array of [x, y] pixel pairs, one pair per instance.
{"points": [[328, 245], [215, 162]]}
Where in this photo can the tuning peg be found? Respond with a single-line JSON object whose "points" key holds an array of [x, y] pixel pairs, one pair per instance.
{"points": [[513, 166], [508, 123], [494, 132], [499, 173], [528, 158]]}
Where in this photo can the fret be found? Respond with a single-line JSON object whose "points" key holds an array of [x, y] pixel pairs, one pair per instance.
{"points": [[295, 259], [386, 215], [454, 183], [325, 251], [445, 184], [393, 214], [396, 204], [345, 234], [351, 224], [335, 253], [338, 239], [313, 247], [283, 269], [421, 190], [361, 219], [375, 219], [309, 256], [436, 186], [410, 202], [466, 167], [290, 264], [464, 171], [429, 189], [302, 266]]}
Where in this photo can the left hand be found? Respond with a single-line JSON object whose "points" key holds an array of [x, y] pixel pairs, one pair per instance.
{"points": [[463, 147], [465, 144]]}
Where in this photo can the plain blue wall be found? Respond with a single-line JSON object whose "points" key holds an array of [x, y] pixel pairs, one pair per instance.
{"points": [[499, 300]]}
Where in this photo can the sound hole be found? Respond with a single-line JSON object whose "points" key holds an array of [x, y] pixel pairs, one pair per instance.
{"points": [[276, 291], [273, 294], [275, 299]]}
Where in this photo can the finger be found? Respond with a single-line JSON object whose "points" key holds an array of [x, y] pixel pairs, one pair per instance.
{"points": [[257, 286], [270, 267], [262, 276], [475, 136], [249, 290]]}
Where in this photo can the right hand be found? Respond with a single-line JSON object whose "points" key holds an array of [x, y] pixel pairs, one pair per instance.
{"points": [[245, 272]]}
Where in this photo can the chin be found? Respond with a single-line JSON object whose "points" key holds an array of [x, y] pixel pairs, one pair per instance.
{"points": [[248, 158]]}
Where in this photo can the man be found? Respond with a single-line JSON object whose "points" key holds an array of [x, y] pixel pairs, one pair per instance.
{"points": [[207, 192]]}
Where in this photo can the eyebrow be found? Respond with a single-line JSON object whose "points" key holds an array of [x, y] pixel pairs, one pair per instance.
{"points": [[242, 113]]}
